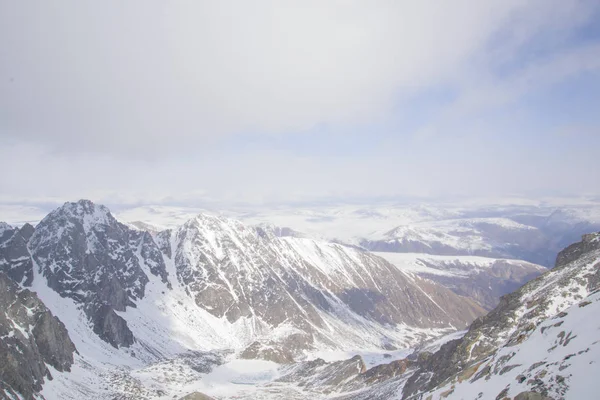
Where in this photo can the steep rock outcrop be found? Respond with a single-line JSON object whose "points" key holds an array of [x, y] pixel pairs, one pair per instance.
{"points": [[30, 338], [15, 259]]}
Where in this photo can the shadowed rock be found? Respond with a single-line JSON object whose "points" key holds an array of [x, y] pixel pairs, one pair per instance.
{"points": [[30, 338], [15, 259]]}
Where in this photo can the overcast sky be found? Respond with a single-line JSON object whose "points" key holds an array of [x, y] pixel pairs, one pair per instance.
{"points": [[279, 101]]}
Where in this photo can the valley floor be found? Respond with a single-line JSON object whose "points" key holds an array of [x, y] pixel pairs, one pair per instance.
{"points": [[219, 375]]}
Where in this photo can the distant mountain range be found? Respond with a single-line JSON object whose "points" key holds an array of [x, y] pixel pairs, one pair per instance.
{"points": [[508, 230], [104, 309]]}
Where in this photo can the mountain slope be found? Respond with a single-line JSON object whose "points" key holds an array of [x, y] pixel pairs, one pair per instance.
{"points": [[559, 359], [240, 272], [482, 279], [31, 341], [525, 324]]}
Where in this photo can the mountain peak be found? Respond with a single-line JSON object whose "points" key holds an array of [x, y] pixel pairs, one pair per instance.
{"points": [[4, 227], [84, 206], [85, 211]]}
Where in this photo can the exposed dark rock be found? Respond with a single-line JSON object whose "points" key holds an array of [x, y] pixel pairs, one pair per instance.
{"points": [[26, 231], [282, 351], [234, 271], [151, 254], [502, 394], [15, 259], [30, 338], [588, 243], [163, 240], [111, 327], [270, 351]]}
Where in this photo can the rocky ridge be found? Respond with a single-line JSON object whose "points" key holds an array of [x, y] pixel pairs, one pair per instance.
{"points": [[211, 284]]}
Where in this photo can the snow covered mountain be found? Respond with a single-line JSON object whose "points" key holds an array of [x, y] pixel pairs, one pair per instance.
{"points": [[542, 338], [513, 228], [100, 309], [487, 237], [253, 274], [130, 299]]}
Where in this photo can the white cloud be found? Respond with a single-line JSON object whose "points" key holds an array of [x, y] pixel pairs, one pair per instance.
{"points": [[127, 101], [146, 77]]}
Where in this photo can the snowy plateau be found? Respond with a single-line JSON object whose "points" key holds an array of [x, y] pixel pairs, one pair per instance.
{"points": [[349, 302]]}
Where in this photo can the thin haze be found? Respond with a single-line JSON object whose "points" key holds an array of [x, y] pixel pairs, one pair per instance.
{"points": [[278, 101]]}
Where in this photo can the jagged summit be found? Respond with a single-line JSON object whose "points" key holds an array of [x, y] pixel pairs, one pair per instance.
{"points": [[4, 227], [85, 211]]}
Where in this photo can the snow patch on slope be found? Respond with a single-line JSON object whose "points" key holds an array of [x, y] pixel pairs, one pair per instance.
{"points": [[562, 355]]}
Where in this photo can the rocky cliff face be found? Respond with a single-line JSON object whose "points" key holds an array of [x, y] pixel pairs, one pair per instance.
{"points": [[31, 339], [15, 259]]}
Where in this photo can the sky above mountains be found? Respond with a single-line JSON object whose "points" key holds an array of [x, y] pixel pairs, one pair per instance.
{"points": [[271, 101]]}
